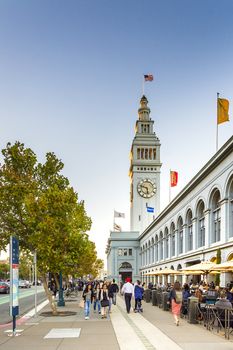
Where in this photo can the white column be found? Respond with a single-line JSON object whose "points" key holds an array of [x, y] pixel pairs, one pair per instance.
{"points": [[207, 228], [224, 226]]}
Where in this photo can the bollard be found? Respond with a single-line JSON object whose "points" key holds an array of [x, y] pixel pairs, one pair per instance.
{"points": [[147, 295], [192, 310], [164, 301], [154, 298]]}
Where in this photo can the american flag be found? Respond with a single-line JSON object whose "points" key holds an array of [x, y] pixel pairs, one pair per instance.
{"points": [[148, 77]]}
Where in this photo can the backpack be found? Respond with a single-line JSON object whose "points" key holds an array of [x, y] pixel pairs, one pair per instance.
{"points": [[178, 297]]}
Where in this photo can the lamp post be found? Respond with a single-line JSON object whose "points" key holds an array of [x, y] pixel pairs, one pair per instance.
{"points": [[61, 301]]}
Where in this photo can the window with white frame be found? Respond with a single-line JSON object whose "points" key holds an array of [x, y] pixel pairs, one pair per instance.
{"points": [[161, 245], [200, 225], [180, 236], [215, 217], [166, 242], [190, 230], [173, 240]]}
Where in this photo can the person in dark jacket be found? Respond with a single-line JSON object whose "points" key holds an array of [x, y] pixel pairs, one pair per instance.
{"points": [[113, 290], [138, 295]]}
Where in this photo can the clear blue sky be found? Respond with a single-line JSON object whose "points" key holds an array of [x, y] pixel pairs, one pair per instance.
{"points": [[71, 79]]}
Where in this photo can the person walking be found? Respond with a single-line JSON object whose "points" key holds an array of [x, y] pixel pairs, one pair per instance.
{"points": [[138, 295], [97, 298], [113, 290], [176, 301], [87, 296], [128, 291], [104, 301]]}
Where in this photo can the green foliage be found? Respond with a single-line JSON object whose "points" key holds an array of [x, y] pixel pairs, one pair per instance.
{"points": [[25, 266], [4, 271], [38, 205]]}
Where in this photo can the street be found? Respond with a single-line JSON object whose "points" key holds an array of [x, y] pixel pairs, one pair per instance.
{"points": [[26, 302]]}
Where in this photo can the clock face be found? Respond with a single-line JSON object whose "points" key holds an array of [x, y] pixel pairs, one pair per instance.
{"points": [[146, 188]]}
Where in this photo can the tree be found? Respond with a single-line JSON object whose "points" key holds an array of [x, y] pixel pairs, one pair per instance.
{"points": [[4, 271], [40, 207]]}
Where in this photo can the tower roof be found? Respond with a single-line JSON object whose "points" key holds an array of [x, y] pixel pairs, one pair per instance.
{"points": [[144, 110]]}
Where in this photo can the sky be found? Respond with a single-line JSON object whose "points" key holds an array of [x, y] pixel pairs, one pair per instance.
{"points": [[71, 75]]}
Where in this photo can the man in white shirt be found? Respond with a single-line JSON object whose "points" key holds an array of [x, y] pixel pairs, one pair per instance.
{"points": [[128, 291]]}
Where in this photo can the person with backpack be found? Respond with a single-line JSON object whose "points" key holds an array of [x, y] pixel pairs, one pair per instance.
{"points": [[176, 301], [138, 295], [113, 290]]}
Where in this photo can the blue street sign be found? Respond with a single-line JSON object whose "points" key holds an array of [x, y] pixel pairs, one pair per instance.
{"points": [[14, 277]]}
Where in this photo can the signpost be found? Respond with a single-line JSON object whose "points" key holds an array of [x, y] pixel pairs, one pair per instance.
{"points": [[14, 280]]}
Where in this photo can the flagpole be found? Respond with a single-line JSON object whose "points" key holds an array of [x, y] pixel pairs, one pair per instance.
{"points": [[217, 123], [114, 220], [170, 186], [143, 85]]}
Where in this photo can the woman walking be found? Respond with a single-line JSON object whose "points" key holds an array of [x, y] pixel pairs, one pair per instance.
{"points": [[87, 296], [104, 301], [97, 299], [176, 300]]}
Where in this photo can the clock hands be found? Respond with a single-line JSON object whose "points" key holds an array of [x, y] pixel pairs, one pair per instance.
{"points": [[147, 190]]}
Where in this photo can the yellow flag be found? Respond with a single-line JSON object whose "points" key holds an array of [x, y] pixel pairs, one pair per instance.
{"points": [[223, 109]]}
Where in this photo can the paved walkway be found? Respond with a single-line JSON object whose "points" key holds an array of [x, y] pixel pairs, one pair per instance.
{"points": [[155, 329]]}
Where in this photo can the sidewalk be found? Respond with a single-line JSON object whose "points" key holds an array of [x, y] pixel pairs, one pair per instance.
{"points": [[154, 330]]}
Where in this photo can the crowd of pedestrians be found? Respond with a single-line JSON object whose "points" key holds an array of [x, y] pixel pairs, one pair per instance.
{"points": [[102, 295]]}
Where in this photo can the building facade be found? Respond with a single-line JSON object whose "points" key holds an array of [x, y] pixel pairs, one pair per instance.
{"points": [[197, 223]]}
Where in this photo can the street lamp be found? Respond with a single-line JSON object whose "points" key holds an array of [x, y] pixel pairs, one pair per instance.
{"points": [[61, 301]]}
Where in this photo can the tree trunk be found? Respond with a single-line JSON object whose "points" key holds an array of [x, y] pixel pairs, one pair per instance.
{"points": [[57, 281], [49, 296]]}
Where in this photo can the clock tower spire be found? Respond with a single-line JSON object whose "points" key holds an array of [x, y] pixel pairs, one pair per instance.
{"points": [[144, 171]]}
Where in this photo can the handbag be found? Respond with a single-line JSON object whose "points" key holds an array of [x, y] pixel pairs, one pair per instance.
{"points": [[104, 302]]}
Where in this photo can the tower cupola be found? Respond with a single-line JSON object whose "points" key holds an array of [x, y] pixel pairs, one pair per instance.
{"points": [[144, 110]]}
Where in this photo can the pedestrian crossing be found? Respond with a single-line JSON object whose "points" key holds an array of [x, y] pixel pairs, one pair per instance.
{"points": [[133, 331]]}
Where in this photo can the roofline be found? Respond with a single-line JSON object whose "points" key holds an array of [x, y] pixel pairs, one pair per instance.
{"points": [[218, 157]]}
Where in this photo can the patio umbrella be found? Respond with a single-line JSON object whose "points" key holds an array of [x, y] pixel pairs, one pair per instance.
{"points": [[204, 268], [224, 267]]}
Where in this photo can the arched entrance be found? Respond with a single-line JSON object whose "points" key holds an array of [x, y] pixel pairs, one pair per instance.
{"points": [[125, 270]]}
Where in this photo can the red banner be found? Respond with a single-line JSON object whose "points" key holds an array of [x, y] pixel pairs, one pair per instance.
{"points": [[173, 178]]}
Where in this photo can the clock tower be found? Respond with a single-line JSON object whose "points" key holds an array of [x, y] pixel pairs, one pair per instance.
{"points": [[144, 171]]}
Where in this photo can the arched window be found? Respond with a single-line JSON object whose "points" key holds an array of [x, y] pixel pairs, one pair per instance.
{"points": [[156, 248], [150, 153], [189, 229], [125, 265], [142, 153], [154, 153], [146, 258], [152, 251], [200, 224], [180, 235], [161, 245], [230, 195], [215, 216], [138, 153], [166, 238], [149, 253], [173, 239]]}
